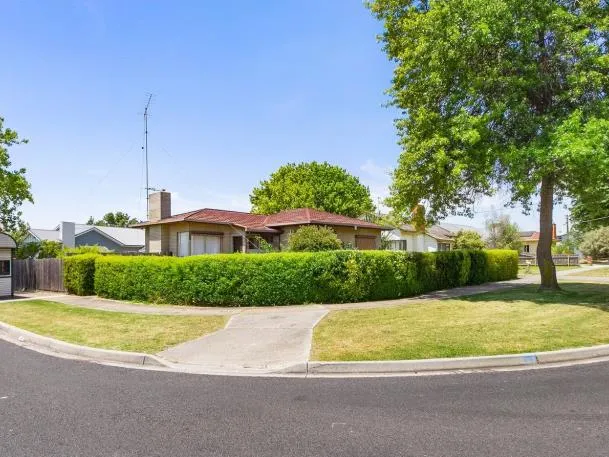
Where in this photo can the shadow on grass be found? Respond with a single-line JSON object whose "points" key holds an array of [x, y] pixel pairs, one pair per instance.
{"points": [[580, 294]]}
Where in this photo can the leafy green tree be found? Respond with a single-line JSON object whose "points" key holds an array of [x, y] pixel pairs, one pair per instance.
{"points": [[468, 239], [509, 93], [596, 243], [49, 249], [117, 219], [14, 187], [314, 238], [312, 185], [27, 250], [503, 234], [590, 209]]}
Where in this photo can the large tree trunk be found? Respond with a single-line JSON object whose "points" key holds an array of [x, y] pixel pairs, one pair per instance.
{"points": [[544, 248]]}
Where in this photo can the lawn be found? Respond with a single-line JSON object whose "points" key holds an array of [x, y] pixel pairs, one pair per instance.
{"points": [[105, 329], [511, 321], [601, 273], [534, 270]]}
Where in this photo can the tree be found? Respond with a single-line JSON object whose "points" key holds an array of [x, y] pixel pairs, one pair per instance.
{"points": [[312, 185], [509, 93], [314, 238], [590, 209], [27, 250], [49, 249], [14, 188], [503, 234], [117, 219], [596, 243], [468, 239]]}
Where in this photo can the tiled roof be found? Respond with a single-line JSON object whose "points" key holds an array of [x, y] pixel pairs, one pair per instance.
{"points": [[314, 216], [529, 236], [264, 223]]}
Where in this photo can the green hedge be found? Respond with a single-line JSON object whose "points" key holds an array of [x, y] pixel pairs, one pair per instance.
{"points": [[293, 278], [79, 274]]}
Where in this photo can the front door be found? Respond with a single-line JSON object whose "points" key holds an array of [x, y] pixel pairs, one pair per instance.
{"points": [[237, 243]]}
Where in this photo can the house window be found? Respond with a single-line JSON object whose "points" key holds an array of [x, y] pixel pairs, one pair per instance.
{"points": [[5, 267], [526, 248], [398, 245], [206, 244], [443, 247]]}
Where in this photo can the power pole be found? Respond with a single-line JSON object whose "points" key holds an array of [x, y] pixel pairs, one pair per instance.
{"points": [[146, 154], [567, 216]]}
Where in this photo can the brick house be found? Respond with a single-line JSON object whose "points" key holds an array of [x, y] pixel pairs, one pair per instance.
{"points": [[211, 231]]}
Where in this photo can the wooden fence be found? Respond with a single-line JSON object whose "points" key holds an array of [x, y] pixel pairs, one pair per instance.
{"points": [[559, 259], [38, 274]]}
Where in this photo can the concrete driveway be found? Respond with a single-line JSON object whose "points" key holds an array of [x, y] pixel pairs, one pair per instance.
{"points": [[255, 340]]}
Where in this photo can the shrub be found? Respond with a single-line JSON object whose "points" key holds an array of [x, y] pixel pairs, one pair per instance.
{"points": [[49, 249], [79, 274], [596, 243], [468, 239], [311, 238], [295, 278], [78, 250]]}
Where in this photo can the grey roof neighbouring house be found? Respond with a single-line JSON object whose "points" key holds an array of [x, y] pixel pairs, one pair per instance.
{"points": [[118, 239], [444, 231]]}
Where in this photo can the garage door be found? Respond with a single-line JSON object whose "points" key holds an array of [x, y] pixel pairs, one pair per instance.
{"points": [[206, 244], [365, 242]]}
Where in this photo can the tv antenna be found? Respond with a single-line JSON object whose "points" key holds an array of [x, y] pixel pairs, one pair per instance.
{"points": [[145, 147]]}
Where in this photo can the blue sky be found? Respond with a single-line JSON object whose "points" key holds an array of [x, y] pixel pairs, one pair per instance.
{"points": [[240, 88]]}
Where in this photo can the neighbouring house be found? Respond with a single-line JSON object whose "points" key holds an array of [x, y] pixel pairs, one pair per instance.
{"points": [[116, 239], [530, 240], [7, 247], [211, 231], [439, 237]]}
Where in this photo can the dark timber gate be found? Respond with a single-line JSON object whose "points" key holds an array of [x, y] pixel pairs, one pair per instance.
{"points": [[38, 274]]}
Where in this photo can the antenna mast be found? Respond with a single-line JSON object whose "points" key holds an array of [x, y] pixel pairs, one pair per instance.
{"points": [[146, 153]]}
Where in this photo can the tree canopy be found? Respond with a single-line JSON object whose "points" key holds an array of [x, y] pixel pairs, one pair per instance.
{"points": [[469, 239], [509, 93], [503, 233], [116, 219], [314, 185], [313, 238], [596, 243], [590, 209], [14, 187]]}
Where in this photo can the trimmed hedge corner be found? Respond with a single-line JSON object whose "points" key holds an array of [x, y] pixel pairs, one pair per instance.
{"points": [[79, 274], [287, 278]]}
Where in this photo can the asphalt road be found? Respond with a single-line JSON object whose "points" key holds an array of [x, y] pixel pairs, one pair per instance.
{"points": [[56, 407]]}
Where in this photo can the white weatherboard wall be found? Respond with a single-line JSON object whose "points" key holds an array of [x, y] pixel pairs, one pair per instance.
{"points": [[5, 282]]}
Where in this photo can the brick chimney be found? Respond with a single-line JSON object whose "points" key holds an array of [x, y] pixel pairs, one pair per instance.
{"points": [[159, 206], [553, 231]]}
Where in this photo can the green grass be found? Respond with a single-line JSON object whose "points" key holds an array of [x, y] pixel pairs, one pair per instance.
{"points": [[511, 321], [105, 329], [601, 273], [534, 270]]}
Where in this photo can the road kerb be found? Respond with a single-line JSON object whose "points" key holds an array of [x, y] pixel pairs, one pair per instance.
{"points": [[567, 355], [413, 366], [389, 367], [94, 354]]}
